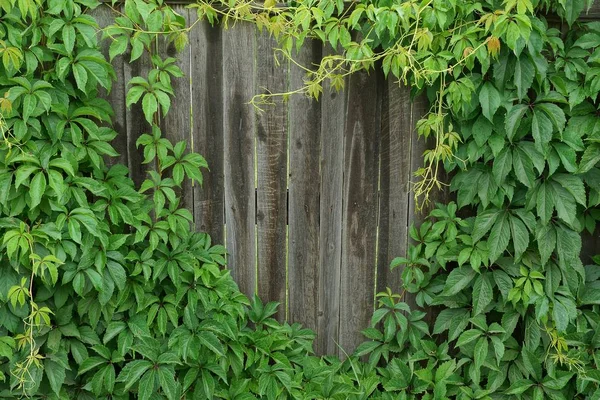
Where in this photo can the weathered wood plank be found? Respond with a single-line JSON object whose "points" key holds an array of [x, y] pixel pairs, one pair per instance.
{"points": [[359, 220], [207, 111], [239, 129], [395, 175], [333, 111], [177, 124], [116, 97], [271, 153], [304, 268]]}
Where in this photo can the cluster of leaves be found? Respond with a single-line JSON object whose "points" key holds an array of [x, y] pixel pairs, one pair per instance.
{"points": [[431, 43], [515, 122], [105, 292]]}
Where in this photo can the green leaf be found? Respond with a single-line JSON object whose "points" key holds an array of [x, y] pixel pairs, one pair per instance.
{"points": [[483, 223], [118, 46], [149, 106], [366, 348], [68, 37], [520, 236], [519, 387], [554, 113], [588, 41], [89, 364], [499, 238], [541, 129], [590, 157], [546, 239], [468, 336], [524, 74], [573, 184], [481, 352], [458, 279], [447, 316], [148, 385], [483, 293], [523, 167], [132, 372], [29, 105], [37, 188], [56, 375], [502, 165], [568, 242], [499, 348], [513, 119], [564, 202], [81, 77], [572, 10], [166, 378], [560, 315], [490, 100], [212, 342]]}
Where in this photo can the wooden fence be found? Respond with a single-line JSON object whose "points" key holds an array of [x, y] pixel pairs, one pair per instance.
{"points": [[311, 198]]}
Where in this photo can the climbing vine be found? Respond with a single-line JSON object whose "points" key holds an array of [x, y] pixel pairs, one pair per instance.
{"points": [[105, 291]]}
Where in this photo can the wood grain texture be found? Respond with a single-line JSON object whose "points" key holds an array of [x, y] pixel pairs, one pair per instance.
{"points": [[177, 124], [271, 153], [116, 97], [304, 267], [359, 220], [395, 175], [207, 111], [333, 111], [239, 130]]}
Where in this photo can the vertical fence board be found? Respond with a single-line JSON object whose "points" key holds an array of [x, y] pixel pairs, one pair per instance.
{"points": [[271, 153], [359, 224], [177, 125], [395, 175], [304, 181], [238, 126], [207, 111], [116, 97], [333, 109]]}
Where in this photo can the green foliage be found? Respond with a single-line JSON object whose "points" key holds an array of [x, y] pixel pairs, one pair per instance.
{"points": [[105, 292]]}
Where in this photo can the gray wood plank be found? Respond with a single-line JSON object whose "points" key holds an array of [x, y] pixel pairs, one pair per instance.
{"points": [[207, 111], [359, 220], [271, 153], [304, 267], [333, 111], [395, 176], [177, 125], [116, 97], [239, 130]]}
